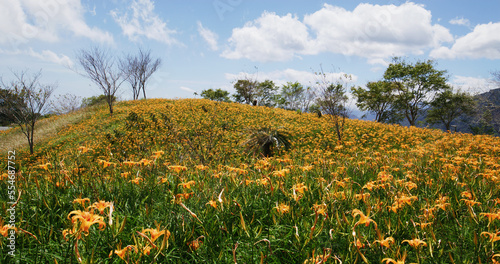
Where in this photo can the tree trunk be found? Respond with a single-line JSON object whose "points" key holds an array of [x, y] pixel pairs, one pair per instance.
{"points": [[110, 108]]}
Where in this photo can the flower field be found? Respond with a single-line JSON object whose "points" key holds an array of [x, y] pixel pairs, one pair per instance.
{"points": [[170, 181]]}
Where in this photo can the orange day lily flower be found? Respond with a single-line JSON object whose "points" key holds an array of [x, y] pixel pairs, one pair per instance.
{"points": [[86, 219], [136, 180], [45, 166], [493, 236], [363, 219], [212, 203], [385, 242], [282, 208], [415, 242], [187, 185], [101, 205], [81, 201], [156, 233], [177, 168]]}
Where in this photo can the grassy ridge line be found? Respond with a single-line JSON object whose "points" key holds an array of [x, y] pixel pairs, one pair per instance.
{"points": [[45, 129]]}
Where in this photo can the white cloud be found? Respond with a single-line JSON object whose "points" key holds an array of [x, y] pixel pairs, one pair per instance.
{"points": [[268, 38], [374, 32], [209, 36], [473, 85], [460, 21], [25, 20], [187, 89], [482, 42], [280, 77], [45, 55], [51, 56], [144, 22]]}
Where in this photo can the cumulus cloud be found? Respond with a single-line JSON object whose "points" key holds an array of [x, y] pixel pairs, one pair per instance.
{"points": [[460, 21], [268, 38], [209, 36], [141, 20], [472, 84], [371, 31], [25, 20], [482, 42]]}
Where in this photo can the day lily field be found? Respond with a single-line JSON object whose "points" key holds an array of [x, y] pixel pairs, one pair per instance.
{"points": [[171, 181]]}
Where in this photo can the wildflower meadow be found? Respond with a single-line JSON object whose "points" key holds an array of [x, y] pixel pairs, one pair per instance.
{"points": [[182, 181]]}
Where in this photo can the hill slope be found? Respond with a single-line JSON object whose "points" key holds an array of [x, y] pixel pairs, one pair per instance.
{"points": [[170, 181]]}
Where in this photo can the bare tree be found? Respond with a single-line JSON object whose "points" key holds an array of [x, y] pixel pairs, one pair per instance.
{"points": [[65, 103], [496, 78], [26, 101], [332, 100], [138, 69], [100, 68]]}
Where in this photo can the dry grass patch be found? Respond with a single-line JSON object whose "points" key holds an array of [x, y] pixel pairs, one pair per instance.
{"points": [[45, 129]]}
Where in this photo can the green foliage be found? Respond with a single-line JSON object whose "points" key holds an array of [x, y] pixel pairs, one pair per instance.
{"points": [[413, 84], [254, 92], [332, 101], [266, 93], [245, 91], [96, 100], [484, 126], [292, 94], [448, 106], [7, 117], [379, 99], [26, 101], [216, 95]]}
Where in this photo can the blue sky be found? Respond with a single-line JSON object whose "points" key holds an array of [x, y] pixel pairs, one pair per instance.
{"points": [[211, 43]]}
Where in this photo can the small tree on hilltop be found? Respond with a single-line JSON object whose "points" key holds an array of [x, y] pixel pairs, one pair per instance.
{"points": [[332, 100], [216, 95], [26, 102], [414, 86], [448, 106], [246, 91], [378, 98], [138, 69], [65, 103], [100, 67], [265, 93]]}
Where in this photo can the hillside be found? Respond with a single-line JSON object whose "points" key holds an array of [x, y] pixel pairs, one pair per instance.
{"points": [[171, 181]]}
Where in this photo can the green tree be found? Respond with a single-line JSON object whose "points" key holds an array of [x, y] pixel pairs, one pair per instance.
{"points": [[96, 100], [216, 95], [414, 85], [448, 106], [6, 117], [379, 99], [245, 91], [266, 93], [292, 94]]}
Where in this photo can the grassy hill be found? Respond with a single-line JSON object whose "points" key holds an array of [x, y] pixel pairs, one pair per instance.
{"points": [[171, 181]]}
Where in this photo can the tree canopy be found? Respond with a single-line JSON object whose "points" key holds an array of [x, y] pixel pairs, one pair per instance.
{"points": [[414, 86]]}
